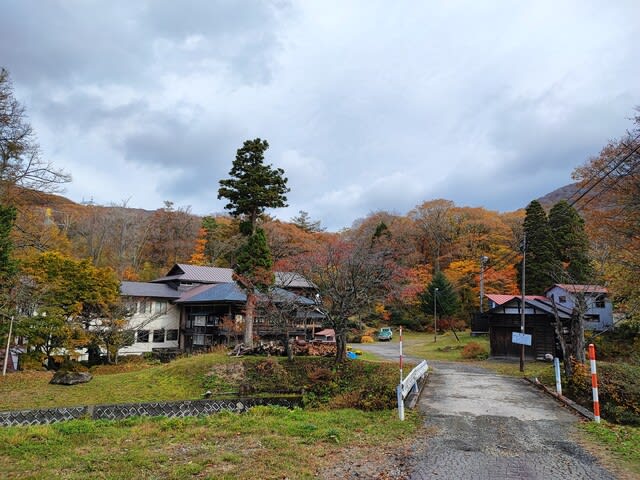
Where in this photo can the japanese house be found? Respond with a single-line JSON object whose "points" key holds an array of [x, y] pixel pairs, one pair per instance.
{"points": [[196, 307]]}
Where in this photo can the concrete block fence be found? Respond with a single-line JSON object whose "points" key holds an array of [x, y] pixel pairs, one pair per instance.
{"points": [[185, 408]]}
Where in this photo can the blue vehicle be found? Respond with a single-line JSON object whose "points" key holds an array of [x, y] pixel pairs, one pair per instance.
{"points": [[385, 334]]}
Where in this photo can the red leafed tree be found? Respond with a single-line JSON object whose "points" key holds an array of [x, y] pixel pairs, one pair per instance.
{"points": [[351, 277]]}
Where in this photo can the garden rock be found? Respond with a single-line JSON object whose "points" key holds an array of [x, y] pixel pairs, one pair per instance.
{"points": [[70, 378]]}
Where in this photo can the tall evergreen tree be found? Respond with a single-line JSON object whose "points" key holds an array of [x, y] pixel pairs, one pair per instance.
{"points": [[571, 241], [447, 301], [252, 188], [254, 260], [543, 267]]}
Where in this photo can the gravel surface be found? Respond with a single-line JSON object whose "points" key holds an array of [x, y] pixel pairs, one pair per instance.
{"points": [[479, 426]]}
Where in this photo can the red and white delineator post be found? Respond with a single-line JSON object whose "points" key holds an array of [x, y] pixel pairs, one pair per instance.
{"points": [[594, 383]]}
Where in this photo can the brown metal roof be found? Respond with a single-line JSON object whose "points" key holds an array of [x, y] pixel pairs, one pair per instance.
{"points": [[201, 274]]}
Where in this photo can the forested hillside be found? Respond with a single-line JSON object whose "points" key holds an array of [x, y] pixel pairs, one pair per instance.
{"points": [[435, 236]]}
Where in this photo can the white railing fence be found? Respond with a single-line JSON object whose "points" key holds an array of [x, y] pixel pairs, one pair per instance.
{"points": [[409, 384]]}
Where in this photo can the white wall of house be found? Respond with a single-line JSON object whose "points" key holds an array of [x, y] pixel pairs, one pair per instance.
{"points": [[599, 307], [156, 324]]}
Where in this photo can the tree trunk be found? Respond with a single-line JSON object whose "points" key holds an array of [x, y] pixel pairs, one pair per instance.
{"points": [[566, 356], [290, 349], [341, 346], [577, 328], [248, 318]]}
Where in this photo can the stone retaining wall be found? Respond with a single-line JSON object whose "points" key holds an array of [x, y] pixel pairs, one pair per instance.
{"points": [[185, 408]]}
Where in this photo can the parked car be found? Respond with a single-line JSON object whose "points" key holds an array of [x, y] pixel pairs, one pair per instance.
{"points": [[385, 334]]}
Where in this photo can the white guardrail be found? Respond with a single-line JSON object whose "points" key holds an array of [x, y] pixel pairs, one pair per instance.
{"points": [[410, 383]]}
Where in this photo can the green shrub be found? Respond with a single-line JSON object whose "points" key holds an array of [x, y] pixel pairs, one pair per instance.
{"points": [[618, 388], [32, 361]]}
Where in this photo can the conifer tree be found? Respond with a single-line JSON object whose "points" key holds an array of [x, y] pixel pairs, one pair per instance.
{"points": [[254, 259], [571, 242], [543, 267], [447, 301], [252, 188]]}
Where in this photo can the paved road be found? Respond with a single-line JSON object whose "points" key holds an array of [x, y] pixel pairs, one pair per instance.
{"points": [[486, 426]]}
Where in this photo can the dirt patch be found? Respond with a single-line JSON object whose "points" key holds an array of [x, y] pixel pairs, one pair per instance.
{"points": [[372, 462], [225, 376]]}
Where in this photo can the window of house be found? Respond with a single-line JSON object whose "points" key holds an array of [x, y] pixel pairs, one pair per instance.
{"points": [[562, 299], [160, 306], [599, 303], [144, 306], [199, 320], [131, 305], [172, 335], [128, 337], [143, 336], [198, 339], [158, 336]]}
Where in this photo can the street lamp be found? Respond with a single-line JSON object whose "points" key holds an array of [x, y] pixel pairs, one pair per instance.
{"points": [[435, 315], [483, 263]]}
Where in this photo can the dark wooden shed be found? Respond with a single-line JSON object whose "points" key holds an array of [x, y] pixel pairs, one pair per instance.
{"points": [[505, 319]]}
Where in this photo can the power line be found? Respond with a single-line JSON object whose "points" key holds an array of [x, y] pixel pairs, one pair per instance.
{"points": [[601, 179]]}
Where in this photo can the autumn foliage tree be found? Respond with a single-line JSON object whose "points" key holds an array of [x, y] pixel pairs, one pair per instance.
{"points": [[351, 278], [611, 203], [69, 296]]}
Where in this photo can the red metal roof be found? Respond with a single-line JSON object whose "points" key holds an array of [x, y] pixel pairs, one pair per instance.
{"points": [[500, 299]]}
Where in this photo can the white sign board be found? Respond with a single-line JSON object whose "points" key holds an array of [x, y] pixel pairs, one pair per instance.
{"points": [[521, 338]]}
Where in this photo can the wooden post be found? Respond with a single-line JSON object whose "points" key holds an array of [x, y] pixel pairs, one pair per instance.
{"points": [[556, 367]]}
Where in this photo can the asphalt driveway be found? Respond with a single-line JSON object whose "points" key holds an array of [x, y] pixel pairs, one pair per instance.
{"points": [[480, 425]]}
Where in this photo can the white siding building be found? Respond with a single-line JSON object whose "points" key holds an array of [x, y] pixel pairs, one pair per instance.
{"points": [[599, 314], [156, 320]]}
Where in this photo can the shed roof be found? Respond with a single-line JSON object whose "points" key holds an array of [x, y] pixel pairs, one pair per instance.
{"points": [[540, 303], [499, 298], [146, 289], [327, 332]]}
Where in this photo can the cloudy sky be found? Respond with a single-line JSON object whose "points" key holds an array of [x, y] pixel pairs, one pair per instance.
{"points": [[367, 105]]}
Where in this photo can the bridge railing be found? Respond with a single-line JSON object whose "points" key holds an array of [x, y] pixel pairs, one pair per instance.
{"points": [[410, 383]]}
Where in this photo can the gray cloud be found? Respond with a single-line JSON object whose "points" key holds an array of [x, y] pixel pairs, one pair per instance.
{"points": [[366, 106]]}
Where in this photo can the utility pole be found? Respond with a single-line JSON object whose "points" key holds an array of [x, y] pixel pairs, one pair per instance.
{"points": [[524, 264], [435, 315], [483, 262]]}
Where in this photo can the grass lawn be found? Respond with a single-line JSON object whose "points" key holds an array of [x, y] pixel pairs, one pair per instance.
{"points": [[445, 348], [266, 442], [179, 380], [620, 441]]}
